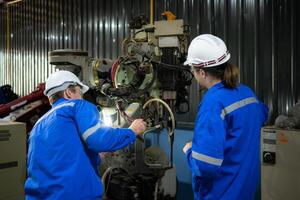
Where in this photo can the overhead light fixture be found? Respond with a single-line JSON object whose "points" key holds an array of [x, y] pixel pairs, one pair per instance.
{"points": [[12, 2]]}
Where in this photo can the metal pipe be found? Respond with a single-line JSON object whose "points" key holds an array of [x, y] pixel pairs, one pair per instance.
{"points": [[8, 44], [8, 47], [151, 12]]}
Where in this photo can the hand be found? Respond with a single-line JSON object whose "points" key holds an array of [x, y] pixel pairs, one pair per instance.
{"points": [[138, 126], [187, 147]]}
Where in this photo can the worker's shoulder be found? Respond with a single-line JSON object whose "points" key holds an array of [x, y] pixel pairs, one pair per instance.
{"points": [[245, 88], [240, 91], [81, 103], [224, 96]]}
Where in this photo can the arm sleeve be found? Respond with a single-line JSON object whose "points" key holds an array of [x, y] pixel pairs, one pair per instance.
{"points": [[95, 134], [206, 155]]}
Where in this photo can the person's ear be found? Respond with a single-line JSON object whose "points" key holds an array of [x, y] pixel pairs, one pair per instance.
{"points": [[50, 100], [202, 72], [68, 93]]}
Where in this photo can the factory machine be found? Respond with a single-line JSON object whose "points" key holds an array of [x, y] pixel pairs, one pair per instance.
{"points": [[280, 163], [12, 160], [147, 81]]}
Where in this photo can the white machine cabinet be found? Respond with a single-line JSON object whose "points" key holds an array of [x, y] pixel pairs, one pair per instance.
{"points": [[12, 160], [280, 164]]}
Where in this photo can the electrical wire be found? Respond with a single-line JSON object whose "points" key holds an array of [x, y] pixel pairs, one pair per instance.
{"points": [[174, 67], [168, 109], [171, 133], [124, 114]]}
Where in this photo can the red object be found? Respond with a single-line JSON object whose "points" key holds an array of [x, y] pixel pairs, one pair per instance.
{"points": [[5, 109], [27, 109]]}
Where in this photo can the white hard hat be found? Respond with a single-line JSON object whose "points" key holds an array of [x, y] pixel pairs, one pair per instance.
{"points": [[61, 80], [207, 51]]}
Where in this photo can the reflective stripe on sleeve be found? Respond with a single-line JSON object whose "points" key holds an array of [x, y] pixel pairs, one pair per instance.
{"points": [[207, 159], [237, 105], [91, 130], [54, 109]]}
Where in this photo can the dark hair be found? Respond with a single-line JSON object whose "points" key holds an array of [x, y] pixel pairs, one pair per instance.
{"points": [[60, 94], [226, 72]]}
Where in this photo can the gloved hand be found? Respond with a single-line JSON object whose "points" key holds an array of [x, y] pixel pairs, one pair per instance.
{"points": [[138, 126]]}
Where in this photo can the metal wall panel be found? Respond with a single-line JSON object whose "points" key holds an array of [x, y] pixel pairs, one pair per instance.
{"points": [[261, 34], [2, 46]]}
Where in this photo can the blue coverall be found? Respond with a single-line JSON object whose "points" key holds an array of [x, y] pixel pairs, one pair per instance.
{"points": [[63, 152], [224, 158]]}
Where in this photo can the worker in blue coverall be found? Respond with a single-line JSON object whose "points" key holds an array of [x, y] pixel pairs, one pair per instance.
{"points": [[224, 153], [65, 142]]}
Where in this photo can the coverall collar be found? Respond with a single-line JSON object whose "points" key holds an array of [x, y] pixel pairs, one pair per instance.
{"points": [[216, 87], [58, 101], [212, 89]]}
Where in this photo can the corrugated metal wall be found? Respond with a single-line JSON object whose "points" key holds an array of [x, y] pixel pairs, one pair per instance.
{"points": [[261, 34]]}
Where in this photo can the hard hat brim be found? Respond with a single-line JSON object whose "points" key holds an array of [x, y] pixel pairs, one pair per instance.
{"points": [[186, 62], [84, 88], [51, 91], [190, 63]]}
